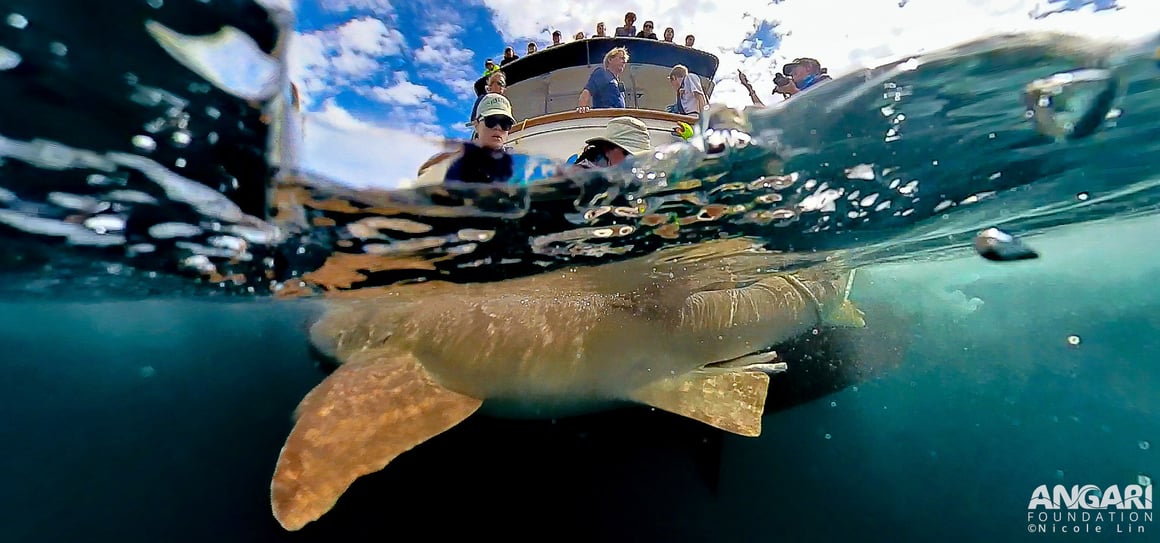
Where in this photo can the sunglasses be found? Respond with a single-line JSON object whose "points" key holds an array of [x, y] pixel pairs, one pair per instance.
{"points": [[503, 122]]}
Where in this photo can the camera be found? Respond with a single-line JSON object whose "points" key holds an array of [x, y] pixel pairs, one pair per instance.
{"points": [[781, 80]]}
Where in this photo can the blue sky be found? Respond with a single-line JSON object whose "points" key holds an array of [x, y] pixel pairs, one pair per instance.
{"points": [[409, 65]]}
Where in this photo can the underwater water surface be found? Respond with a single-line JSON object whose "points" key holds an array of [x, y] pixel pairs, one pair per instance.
{"points": [[160, 420]]}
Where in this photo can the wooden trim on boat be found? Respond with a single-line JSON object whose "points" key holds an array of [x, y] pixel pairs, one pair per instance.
{"points": [[597, 113]]}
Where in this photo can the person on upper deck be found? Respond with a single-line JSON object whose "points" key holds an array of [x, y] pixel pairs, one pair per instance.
{"points": [[489, 67], [509, 55], [496, 84], [670, 34], [557, 38], [604, 89], [629, 28], [531, 47], [647, 31], [689, 40], [600, 31]]}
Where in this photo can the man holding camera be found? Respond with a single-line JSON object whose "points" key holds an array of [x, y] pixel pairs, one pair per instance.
{"points": [[795, 77]]}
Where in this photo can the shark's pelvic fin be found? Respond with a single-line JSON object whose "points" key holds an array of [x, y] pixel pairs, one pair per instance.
{"points": [[371, 409], [731, 400]]}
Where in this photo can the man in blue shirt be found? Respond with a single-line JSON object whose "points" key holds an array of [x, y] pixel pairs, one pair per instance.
{"points": [[604, 89]]}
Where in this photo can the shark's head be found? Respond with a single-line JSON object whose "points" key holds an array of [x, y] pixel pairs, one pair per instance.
{"points": [[346, 328]]}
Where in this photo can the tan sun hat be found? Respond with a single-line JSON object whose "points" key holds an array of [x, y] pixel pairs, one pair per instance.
{"points": [[628, 133], [494, 104]]}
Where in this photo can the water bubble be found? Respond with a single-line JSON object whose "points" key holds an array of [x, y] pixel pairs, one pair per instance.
{"points": [[1143, 479], [828, 436], [997, 245], [155, 4], [181, 138], [143, 142], [17, 21], [9, 59], [833, 404], [854, 388], [1073, 340], [148, 371], [180, 163], [1145, 445], [57, 48], [1081, 196], [1059, 474]]}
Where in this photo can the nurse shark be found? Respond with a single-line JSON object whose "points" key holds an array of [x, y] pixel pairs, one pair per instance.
{"points": [[667, 333]]}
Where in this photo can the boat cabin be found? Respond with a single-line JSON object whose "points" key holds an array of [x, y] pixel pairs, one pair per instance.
{"points": [[544, 89]]}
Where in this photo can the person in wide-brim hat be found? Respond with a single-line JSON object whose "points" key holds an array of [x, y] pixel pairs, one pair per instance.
{"points": [[622, 137]]}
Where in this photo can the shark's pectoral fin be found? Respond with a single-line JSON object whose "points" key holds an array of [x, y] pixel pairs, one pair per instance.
{"points": [[371, 409], [846, 315], [731, 400]]}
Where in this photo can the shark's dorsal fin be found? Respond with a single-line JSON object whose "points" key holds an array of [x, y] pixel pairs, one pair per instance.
{"points": [[371, 409], [731, 400]]}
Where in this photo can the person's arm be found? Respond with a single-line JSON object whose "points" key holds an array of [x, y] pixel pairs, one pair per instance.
{"points": [[585, 102], [752, 93], [693, 83], [702, 103]]}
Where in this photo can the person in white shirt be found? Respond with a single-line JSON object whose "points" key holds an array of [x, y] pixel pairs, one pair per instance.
{"points": [[690, 94]]}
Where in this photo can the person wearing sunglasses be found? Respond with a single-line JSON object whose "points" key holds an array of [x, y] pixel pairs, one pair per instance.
{"points": [[485, 159], [493, 121], [496, 84]]}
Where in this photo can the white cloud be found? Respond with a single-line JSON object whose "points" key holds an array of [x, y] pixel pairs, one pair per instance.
{"points": [[325, 60], [843, 34], [442, 53], [355, 153], [403, 93], [381, 8]]}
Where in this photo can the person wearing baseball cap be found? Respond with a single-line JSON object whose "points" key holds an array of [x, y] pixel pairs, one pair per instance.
{"points": [[486, 159], [796, 76], [623, 137], [493, 120], [805, 72], [489, 67]]}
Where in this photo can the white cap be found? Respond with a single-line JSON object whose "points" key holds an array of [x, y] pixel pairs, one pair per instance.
{"points": [[494, 104], [628, 133]]}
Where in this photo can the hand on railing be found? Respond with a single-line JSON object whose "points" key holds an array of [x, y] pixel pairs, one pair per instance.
{"points": [[583, 109]]}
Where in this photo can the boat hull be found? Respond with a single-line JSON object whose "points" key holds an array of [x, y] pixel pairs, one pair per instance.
{"points": [[560, 136]]}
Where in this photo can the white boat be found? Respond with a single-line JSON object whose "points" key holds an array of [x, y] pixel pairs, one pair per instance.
{"points": [[544, 89]]}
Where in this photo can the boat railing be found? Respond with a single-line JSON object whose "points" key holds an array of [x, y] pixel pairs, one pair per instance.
{"points": [[603, 113]]}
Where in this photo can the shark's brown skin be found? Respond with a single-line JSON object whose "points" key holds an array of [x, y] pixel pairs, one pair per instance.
{"points": [[548, 345]]}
